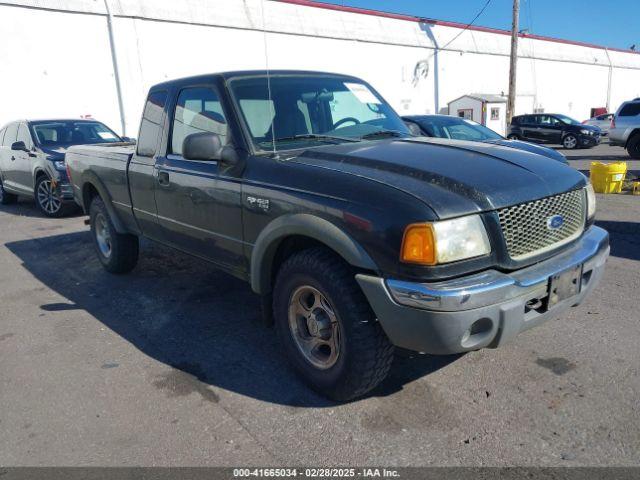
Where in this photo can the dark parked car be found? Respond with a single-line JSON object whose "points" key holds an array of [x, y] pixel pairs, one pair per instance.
{"points": [[456, 128], [32, 160], [358, 236], [554, 128]]}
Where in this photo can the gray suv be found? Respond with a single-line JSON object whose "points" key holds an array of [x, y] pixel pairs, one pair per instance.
{"points": [[625, 128]]}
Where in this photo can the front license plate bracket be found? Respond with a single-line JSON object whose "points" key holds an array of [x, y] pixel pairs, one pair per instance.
{"points": [[564, 285]]}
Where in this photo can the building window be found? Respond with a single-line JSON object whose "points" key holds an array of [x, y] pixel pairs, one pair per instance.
{"points": [[495, 113], [466, 113]]}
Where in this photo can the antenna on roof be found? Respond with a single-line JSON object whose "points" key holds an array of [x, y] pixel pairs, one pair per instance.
{"points": [[266, 59]]}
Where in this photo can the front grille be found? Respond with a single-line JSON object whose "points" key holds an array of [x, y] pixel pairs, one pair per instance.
{"points": [[526, 227]]}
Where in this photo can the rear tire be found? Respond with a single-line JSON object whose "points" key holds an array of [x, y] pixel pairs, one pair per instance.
{"points": [[6, 198], [329, 332], [570, 141], [117, 252], [633, 147], [48, 201]]}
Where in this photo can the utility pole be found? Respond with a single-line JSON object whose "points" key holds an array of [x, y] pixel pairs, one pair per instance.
{"points": [[513, 67]]}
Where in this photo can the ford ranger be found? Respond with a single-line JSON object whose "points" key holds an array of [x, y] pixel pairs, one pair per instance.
{"points": [[358, 236]]}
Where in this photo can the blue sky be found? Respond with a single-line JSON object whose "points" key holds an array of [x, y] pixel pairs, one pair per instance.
{"points": [[610, 23]]}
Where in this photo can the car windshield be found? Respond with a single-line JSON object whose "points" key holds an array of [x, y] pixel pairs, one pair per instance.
{"points": [[457, 128], [67, 133], [568, 120], [299, 111]]}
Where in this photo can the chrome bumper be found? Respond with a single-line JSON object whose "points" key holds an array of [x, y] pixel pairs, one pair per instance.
{"points": [[490, 287], [482, 310]]}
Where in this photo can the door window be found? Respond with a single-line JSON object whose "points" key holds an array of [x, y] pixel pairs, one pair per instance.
{"points": [[198, 110], [630, 110], [151, 124], [548, 121], [24, 136], [10, 135]]}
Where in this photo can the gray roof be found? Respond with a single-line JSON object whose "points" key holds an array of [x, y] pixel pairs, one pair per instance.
{"points": [[484, 97]]}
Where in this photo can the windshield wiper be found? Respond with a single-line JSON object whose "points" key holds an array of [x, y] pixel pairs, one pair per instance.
{"points": [[384, 133], [314, 136]]}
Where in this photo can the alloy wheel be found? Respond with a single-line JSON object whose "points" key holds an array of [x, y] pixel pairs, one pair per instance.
{"points": [[48, 198], [570, 142], [314, 327]]}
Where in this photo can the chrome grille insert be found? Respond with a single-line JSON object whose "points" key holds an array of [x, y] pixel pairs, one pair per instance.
{"points": [[529, 229]]}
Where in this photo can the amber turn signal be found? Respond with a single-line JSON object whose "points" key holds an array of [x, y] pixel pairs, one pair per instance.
{"points": [[418, 244]]}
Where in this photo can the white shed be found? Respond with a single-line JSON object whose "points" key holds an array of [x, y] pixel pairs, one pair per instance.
{"points": [[486, 109]]}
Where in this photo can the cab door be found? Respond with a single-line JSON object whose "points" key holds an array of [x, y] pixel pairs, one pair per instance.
{"points": [[199, 206], [9, 166], [24, 160], [529, 127], [550, 129]]}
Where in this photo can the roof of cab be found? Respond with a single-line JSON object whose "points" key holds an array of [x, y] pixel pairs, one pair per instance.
{"points": [[247, 73]]}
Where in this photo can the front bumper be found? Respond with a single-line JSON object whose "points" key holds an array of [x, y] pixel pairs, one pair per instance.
{"points": [[481, 310], [589, 140]]}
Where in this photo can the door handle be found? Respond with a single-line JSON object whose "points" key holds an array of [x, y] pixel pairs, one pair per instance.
{"points": [[163, 178]]}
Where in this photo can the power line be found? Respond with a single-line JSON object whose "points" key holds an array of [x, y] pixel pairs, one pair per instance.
{"points": [[467, 26]]}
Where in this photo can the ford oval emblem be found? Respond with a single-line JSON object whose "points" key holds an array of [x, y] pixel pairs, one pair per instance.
{"points": [[555, 222]]}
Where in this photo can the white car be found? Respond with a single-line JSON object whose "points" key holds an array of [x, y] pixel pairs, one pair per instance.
{"points": [[603, 121]]}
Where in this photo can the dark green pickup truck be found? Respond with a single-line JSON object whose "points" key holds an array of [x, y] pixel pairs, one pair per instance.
{"points": [[358, 236]]}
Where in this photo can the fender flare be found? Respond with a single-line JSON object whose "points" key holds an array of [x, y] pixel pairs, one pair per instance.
{"points": [[307, 225], [90, 178]]}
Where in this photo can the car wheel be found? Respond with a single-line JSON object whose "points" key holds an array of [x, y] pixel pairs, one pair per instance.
{"points": [[48, 200], [6, 198], [633, 147], [329, 332], [570, 141], [117, 252], [513, 136]]}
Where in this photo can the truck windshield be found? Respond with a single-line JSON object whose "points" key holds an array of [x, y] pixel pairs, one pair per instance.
{"points": [[299, 111], [67, 133]]}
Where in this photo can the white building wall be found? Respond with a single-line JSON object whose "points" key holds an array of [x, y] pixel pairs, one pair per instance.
{"points": [[56, 58]]}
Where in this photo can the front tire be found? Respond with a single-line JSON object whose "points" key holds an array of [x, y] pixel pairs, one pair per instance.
{"points": [[633, 147], [117, 252], [6, 198], [48, 200], [329, 332], [570, 142], [513, 137]]}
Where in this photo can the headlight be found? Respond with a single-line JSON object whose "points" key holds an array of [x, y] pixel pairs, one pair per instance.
{"points": [[59, 164], [445, 241], [591, 201], [585, 132]]}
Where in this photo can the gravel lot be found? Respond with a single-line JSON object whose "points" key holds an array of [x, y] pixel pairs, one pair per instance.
{"points": [[170, 366]]}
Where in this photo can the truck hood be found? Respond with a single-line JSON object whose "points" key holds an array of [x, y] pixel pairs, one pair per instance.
{"points": [[453, 178], [530, 147]]}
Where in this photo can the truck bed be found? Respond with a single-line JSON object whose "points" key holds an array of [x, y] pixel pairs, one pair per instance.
{"points": [[107, 165]]}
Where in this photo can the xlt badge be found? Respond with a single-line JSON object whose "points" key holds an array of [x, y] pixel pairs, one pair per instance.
{"points": [[260, 203]]}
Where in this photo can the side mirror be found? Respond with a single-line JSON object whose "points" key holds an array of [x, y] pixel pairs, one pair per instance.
{"points": [[19, 146], [202, 146], [129, 140]]}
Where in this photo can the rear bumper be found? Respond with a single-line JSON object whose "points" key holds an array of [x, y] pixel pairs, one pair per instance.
{"points": [[481, 310]]}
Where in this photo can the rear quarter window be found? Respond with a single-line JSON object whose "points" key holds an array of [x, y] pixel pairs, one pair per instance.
{"points": [[10, 134], [630, 110], [151, 124]]}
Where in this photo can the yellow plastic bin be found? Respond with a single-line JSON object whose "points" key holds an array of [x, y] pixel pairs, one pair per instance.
{"points": [[608, 177]]}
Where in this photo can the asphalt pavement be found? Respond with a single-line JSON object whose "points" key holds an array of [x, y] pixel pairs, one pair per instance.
{"points": [[170, 365]]}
